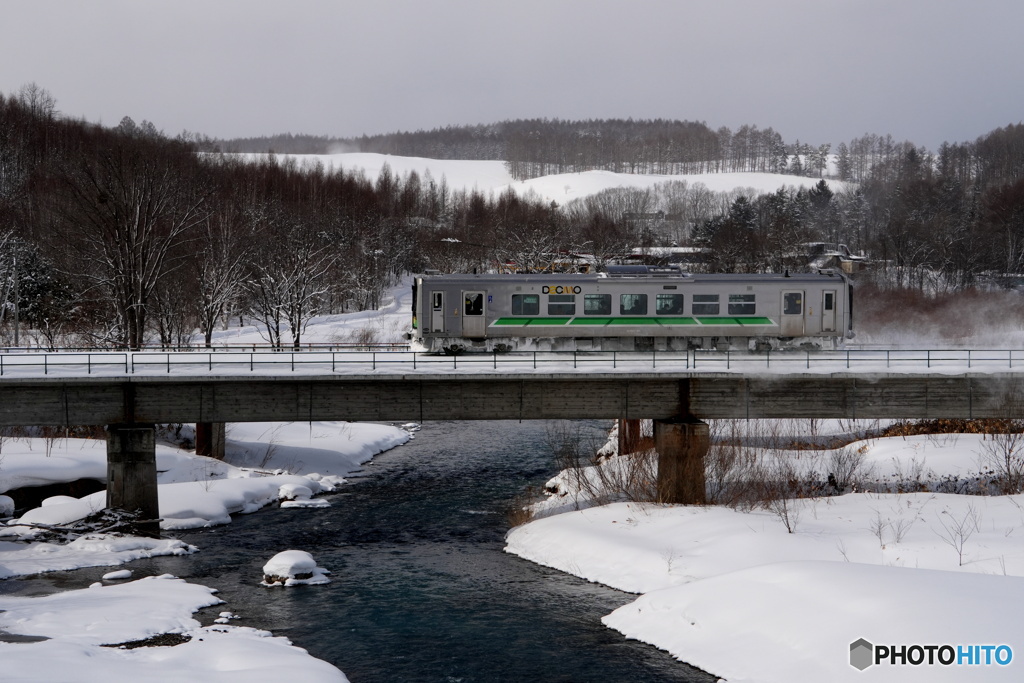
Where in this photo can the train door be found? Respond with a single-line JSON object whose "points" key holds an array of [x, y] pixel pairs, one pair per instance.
{"points": [[474, 320], [828, 310], [437, 312], [792, 313]]}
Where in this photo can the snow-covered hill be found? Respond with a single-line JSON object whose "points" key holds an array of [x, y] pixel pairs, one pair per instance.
{"points": [[492, 176]]}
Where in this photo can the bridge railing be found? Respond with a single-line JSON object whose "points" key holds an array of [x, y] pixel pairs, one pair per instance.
{"points": [[233, 362]]}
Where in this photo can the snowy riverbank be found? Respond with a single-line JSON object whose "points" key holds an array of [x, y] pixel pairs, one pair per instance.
{"points": [[285, 464], [736, 594]]}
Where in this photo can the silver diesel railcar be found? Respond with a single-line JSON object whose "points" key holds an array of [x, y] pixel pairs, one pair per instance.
{"points": [[630, 308]]}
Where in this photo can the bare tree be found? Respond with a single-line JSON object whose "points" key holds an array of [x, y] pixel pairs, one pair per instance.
{"points": [[220, 267], [38, 100], [126, 208], [289, 283]]}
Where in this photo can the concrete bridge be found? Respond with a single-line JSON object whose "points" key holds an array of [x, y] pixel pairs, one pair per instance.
{"points": [[678, 402]]}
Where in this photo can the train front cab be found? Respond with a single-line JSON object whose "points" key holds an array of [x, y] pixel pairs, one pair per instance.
{"points": [[467, 317], [813, 311]]}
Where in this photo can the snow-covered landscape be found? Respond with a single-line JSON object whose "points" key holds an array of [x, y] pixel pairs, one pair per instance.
{"points": [[492, 177], [745, 594], [780, 594], [265, 464]]}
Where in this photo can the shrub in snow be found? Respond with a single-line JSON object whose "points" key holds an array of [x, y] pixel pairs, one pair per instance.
{"points": [[6, 506], [293, 568]]}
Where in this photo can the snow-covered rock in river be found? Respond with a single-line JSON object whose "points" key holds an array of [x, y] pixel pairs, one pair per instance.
{"points": [[119, 575], [293, 568], [296, 496]]}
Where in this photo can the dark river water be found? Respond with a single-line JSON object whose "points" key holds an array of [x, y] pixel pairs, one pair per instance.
{"points": [[421, 588]]}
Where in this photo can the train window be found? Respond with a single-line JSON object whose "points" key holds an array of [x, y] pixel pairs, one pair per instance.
{"points": [[741, 304], [633, 304], [474, 303], [597, 304], [562, 304], [705, 304], [793, 303], [669, 304], [526, 304], [437, 300]]}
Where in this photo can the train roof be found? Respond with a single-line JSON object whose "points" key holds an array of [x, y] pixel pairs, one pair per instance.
{"points": [[716, 278]]}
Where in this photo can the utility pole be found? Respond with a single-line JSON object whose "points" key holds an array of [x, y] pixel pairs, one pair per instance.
{"points": [[16, 297]]}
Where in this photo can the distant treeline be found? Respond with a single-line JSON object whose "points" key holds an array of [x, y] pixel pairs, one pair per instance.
{"points": [[125, 237], [537, 147]]}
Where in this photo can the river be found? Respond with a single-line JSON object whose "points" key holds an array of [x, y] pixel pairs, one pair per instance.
{"points": [[421, 588]]}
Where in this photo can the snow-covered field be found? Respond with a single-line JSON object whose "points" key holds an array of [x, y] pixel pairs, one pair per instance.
{"points": [[492, 176], [735, 593]]}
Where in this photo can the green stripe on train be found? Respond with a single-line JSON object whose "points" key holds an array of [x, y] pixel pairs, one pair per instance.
{"points": [[677, 321], [590, 321], [549, 321], [632, 321], [531, 322], [512, 321], [745, 321]]}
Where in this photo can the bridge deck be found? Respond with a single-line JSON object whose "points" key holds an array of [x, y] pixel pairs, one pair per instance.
{"points": [[391, 397]]}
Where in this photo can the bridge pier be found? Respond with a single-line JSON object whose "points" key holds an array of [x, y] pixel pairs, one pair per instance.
{"points": [[681, 444], [630, 434], [131, 473], [210, 439]]}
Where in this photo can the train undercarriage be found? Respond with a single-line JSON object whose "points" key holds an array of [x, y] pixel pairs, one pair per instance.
{"points": [[458, 345]]}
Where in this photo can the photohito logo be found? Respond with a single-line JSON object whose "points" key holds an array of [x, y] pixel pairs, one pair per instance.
{"points": [[863, 654]]}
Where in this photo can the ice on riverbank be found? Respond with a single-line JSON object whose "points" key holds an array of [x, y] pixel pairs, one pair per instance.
{"points": [[196, 491], [82, 630]]}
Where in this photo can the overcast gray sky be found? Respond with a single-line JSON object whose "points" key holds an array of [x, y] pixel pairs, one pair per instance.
{"points": [[814, 70]]}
